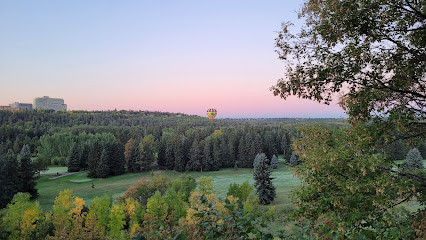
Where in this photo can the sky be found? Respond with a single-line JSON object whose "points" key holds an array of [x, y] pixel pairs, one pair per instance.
{"points": [[172, 56]]}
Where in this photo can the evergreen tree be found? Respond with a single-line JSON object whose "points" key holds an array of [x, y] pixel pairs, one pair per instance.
{"points": [[127, 149], [216, 165], [293, 160], [134, 155], [413, 160], [422, 149], [224, 155], [102, 170], [284, 145], [170, 154], [241, 153], [263, 182], [161, 157], [10, 178], [74, 162], [27, 172], [269, 145], [84, 157], [179, 158], [194, 157], [94, 158], [117, 160], [274, 162], [207, 156]]}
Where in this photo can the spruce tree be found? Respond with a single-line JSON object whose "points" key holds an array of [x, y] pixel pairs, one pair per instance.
{"points": [[293, 160], [94, 158], [74, 162], [11, 180], [413, 160], [207, 156], [147, 152], [27, 172], [274, 162], [194, 157], [84, 157], [263, 182], [241, 153], [284, 145], [133, 158], [102, 170], [179, 158]]}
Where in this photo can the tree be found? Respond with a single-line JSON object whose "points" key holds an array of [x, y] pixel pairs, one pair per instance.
{"points": [[374, 51], [179, 157], [413, 160], [10, 178], [293, 160], [352, 190], [84, 158], [133, 157], [27, 172], [195, 156], [240, 191], [102, 170], [263, 181], [94, 158], [74, 163], [274, 162]]}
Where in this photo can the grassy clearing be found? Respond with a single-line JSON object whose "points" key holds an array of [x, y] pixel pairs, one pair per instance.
{"points": [[53, 170], [117, 185]]}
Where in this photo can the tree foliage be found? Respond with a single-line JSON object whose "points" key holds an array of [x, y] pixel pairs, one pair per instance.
{"points": [[413, 160], [263, 181], [373, 51]]}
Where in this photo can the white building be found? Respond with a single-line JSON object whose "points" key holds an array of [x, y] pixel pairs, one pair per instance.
{"points": [[48, 103]]}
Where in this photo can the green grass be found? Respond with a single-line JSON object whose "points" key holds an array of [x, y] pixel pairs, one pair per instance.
{"points": [[81, 185], [54, 169]]}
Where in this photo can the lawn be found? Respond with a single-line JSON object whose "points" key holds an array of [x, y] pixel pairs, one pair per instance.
{"points": [[89, 188]]}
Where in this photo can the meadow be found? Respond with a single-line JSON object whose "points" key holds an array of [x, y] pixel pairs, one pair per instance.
{"points": [[89, 188]]}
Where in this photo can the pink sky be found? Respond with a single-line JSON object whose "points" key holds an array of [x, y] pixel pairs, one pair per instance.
{"points": [[177, 57]]}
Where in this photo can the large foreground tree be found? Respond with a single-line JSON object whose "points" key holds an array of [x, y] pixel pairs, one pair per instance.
{"points": [[373, 53]]}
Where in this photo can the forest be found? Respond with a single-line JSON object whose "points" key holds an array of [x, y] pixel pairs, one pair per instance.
{"points": [[176, 176]]}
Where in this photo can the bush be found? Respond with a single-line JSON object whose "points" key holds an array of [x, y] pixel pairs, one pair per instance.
{"points": [[240, 191]]}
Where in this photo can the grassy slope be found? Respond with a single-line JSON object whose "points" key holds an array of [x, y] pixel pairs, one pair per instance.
{"points": [[115, 186]]}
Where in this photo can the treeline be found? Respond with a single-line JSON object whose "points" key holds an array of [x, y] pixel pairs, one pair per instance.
{"points": [[26, 127]]}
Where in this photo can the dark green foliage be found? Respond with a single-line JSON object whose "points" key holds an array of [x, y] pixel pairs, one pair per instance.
{"points": [[293, 160], [274, 162], [117, 161], [195, 157], [103, 169], [179, 157], [84, 157], [134, 156], [413, 160], [269, 144], [74, 162], [184, 186], [240, 191], [27, 172], [94, 158], [263, 182], [10, 180], [422, 149]]}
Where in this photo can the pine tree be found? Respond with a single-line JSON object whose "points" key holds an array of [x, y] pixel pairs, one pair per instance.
{"points": [[284, 145], [74, 163], [10, 178], [170, 155], [263, 182], [84, 157], [161, 159], [27, 172], [179, 158], [413, 160], [116, 161], [422, 149], [134, 155], [194, 157], [241, 153], [293, 160], [274, 162], [224, 155], [207, 156], [102, 170], [94, 158]]}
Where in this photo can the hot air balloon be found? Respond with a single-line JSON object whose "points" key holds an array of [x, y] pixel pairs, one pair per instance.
{"points": [[211, 113]]}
